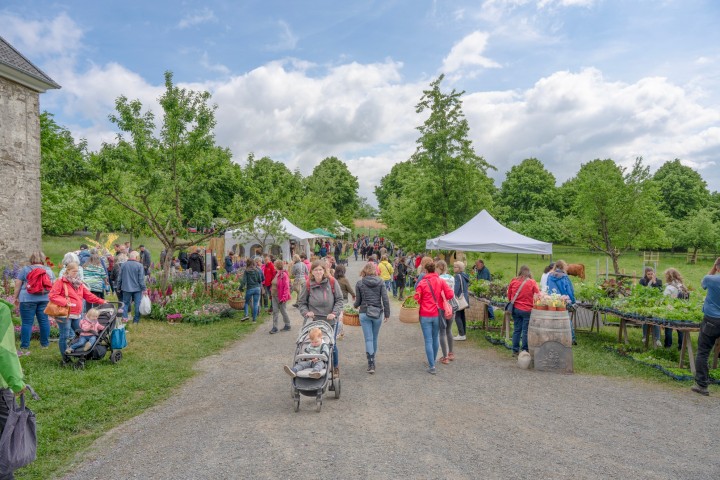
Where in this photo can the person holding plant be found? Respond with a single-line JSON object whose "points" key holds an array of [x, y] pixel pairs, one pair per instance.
{"points": [[372, 301], [427, 294], [559, 282], [70, 291], [252, 284], [462, 281], [651, 280], [521, 292], [280, 294], [674, 288], [32, 303], [709, 328]]}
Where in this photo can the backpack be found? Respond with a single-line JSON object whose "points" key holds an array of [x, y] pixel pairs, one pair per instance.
{"points": [[38, 281], [332, 283]]}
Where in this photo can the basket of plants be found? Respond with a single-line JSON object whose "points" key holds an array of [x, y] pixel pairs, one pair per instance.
{"points": [[351, 317], [410, 311], [237, 302]]}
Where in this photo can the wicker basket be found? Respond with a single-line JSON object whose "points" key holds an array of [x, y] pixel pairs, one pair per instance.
{"points": [[410, 315], [352, 319], [237, 303], [476, 313]]}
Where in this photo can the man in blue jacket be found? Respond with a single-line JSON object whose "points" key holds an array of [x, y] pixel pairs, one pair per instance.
{"points": [[709, 328], [132, 284]]}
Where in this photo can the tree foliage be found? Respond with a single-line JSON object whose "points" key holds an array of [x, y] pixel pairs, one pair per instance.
{"points": [[332, 181], [682, 190], [527, 187]]}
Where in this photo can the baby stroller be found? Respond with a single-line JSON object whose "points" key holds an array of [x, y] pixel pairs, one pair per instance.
{"points": [[109, 318], [303, 383]]}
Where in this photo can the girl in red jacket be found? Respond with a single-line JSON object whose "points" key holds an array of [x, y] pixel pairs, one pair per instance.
{"points": [[427, 294], [69, 290]]}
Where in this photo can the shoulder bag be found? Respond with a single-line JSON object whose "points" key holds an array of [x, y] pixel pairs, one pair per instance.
{"points": [[509, 306], [462, 303], [54, 310], [18, 443], [446, 311]]}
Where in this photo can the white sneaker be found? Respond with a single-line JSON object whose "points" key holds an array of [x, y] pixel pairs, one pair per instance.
{"points": [[459, 338], [290, 372], [658, 343], [643, 339]]}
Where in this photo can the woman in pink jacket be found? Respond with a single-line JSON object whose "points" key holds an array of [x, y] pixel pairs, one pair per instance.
{"points": [[280, 291], [76, 293], [428, 295]]}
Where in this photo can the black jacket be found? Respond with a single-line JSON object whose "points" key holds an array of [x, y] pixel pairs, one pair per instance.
{"points": [[195, 263], [371, 293]]}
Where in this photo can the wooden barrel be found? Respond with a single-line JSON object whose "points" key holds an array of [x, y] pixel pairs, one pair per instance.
{"points": [[550, 341]]}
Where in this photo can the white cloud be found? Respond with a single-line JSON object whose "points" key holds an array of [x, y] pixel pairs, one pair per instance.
{"points": [[287, 39], [213, 67], [34, 38], [203, 16], [468, 53]]}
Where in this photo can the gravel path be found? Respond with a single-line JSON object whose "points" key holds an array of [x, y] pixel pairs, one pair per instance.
{"points": [[479, 417]]}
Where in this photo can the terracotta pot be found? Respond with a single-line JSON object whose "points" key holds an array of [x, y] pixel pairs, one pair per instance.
{"points": [[541, 307]]}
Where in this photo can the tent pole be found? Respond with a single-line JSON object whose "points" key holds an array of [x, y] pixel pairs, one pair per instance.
{"points": [[517, 259]]}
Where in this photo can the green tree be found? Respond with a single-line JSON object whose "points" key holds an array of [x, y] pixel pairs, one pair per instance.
{"points": [[528, 187], [332, 181], [617, 209], [682, 190], [445, 182], [365, 210], [696, 232]]}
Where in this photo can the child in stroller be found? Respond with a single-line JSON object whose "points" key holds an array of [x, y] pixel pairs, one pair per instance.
{"points": [[90, 328], [96, 349], [315, 364]]}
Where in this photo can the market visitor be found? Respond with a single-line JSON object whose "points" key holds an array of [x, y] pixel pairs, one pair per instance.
{"points": [[96, 277], [132, 285], [521, 292], [462, 281], [69, 290], [386, 272], [229, 262], [345, 286], [373, 304], [650, 280], [427, 294], [32, 305], [446, 338], [321, 297], [268, 275], [115, 274], [280, 294], [145, 259], [675, 288], [195, 262], [481, 271], [545, 275], [71, 257], [252, 284], [559, 282], [299, 274], [709, 328], [400, 277]]}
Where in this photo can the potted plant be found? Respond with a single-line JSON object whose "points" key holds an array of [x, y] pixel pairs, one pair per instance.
{"points": [[410, 311], [351, 316], [540, 301]]}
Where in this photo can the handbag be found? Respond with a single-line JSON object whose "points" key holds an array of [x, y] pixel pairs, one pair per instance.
{"points": [[462, 303], [18, 443], [446, 310], [509, 306], [118, 338], [54, 310]]}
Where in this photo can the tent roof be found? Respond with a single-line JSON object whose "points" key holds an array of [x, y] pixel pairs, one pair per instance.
{"points": [[323, 233], [290, 229], [485, 234]]}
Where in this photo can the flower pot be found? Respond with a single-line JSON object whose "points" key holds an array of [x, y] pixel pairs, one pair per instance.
{"points": [[541, 307], [557, 309], [351, 319], [410, 314]]}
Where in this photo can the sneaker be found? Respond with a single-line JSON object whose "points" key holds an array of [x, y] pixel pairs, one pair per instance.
{"points": [[68, 351], [574, 342], [289, 371], [286, 328], [245, 318], [451, 356], [658, 343], [459, 338], [644, 339], [431, 371], [87, 346], [701, 390], [444, 360], [295, 305], [274, 330], [315, 374]]}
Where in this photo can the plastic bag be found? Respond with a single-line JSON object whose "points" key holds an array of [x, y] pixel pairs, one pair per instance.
{"points": [[145, 305]]}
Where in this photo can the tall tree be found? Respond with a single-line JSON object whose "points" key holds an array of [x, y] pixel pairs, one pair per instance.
{"points": [[696, 232], [332, 181], [527, 187], [617, 209], [445, 183], [682, 190]]}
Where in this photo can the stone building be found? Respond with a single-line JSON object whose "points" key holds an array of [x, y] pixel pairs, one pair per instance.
{"points": [[21, 84]]}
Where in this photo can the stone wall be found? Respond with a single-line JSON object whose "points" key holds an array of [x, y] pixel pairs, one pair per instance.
{"points": [[20, 228]]}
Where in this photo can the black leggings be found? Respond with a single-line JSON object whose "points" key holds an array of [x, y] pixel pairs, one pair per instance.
{"points": [[460, 322]]}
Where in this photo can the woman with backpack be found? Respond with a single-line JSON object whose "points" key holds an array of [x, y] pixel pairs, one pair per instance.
{"points": [[675, 288], [372, 301], [32, 287]]}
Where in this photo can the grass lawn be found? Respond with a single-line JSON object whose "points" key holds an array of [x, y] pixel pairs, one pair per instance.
{"points": [[57, 247], [78, 406]]}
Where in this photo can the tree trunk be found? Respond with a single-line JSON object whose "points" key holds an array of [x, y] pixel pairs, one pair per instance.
{"points": [[615, 255], [693, 259], [98, 234]]}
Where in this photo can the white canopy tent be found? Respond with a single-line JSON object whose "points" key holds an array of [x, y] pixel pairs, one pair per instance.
{"points": [[294, 236], [485, 234]]}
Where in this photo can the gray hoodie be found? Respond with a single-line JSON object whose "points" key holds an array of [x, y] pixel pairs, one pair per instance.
{"points": [[322, 299], [372, 297]]}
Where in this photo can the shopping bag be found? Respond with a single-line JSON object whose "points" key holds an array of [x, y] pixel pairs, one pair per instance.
{"points": [[118, 338], [18, 443], [145, 305]]}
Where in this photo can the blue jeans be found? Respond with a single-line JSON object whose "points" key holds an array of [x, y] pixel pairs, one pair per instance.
{"points": [[356, 252], [431, 331], [67, 329], [521, 320], [371, 329], [134, 297], [491, 312], [252, 295], [28, 312], [394, 287], [82, 341], [656, 331]]}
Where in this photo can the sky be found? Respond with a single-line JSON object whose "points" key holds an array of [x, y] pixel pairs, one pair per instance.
{"points": [[564, 81]]}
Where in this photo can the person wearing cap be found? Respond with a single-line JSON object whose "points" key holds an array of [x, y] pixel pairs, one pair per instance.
{"points": [[83, 254], [145, 259]]}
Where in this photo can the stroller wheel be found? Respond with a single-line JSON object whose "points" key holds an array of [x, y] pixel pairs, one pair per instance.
{"points": [[318, 404], [336, 383], [116, 356], [297, 405], [79, 365]]}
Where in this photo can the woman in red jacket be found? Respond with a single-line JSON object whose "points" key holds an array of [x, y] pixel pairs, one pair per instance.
{"points": [[76, 293], [427, 294], [522, 290]]}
